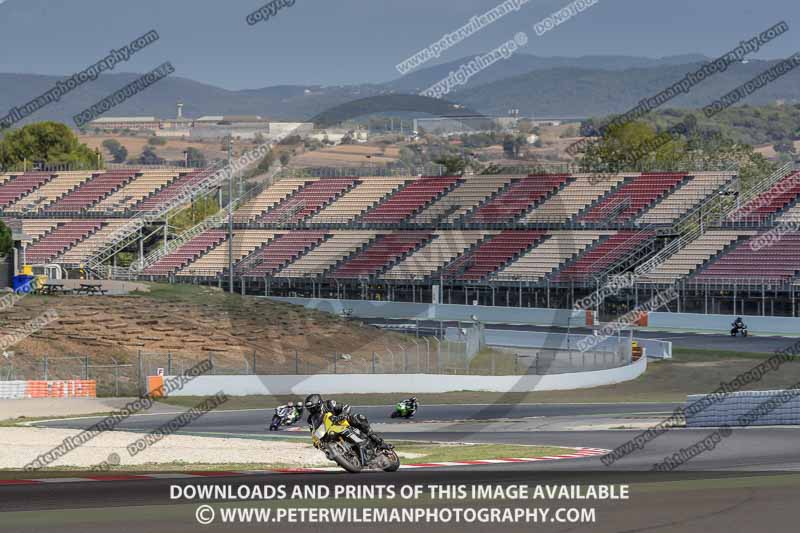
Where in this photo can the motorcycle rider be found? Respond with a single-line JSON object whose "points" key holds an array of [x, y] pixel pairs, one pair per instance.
{"points": [[317, 407], [737, 325], [293, 412], [411, 404]]}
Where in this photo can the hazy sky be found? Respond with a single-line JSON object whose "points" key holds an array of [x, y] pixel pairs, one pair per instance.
{"points": [[350, 41]]}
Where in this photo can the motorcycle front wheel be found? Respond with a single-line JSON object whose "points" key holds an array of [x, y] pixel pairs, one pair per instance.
{"points": [[394, 414], [345, 456], [276, 422]]}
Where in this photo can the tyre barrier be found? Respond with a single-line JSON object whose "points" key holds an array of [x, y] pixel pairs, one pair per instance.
{"points": [[69, 388], [747, 408]]}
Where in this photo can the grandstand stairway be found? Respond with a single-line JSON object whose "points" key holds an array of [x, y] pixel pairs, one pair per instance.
{"points": [[443, 249], [694, 256], [20, 185], [186, 253], [517, 199], [492, 254], [632, 198], [558, 248], [380, 254], [59, 240], [776, 262], [171, 191], [308, 200], [410, 200], [279, 252], [599, 258], [783, 196], [90, 192]]}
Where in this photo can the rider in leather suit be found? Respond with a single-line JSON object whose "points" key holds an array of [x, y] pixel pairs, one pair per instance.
{"points": [[317, 407]]}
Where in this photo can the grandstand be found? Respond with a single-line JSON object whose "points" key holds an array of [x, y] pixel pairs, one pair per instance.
{"points": [[539, 235]]}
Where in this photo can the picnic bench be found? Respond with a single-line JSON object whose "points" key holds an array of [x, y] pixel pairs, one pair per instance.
{"points": [[91, 288], [53, 287]]}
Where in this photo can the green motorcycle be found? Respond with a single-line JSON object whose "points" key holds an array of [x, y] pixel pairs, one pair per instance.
{"points": [[405, 409]]}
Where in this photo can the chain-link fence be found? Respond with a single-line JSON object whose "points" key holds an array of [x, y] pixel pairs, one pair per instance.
{"points": [[113, 378], [460, 351]]}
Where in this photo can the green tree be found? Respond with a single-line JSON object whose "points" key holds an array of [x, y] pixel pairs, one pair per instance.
{"points": [[156, 141], [150, 157], [52, 143], [453, 165], [6, 242], [285, 158], [631, 147], [196, 157], [785, 147], [117, 151]]}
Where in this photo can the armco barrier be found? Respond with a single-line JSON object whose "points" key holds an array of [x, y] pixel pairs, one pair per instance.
{"points": [[784, 410], [405, 383], [722, 323], [412, 311], [71, 388]]}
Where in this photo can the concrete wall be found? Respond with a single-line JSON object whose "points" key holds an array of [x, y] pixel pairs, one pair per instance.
{"points": [[732, 410], [423, 311], [722, 323], [486, 314], [557, 341], [404, 383]]}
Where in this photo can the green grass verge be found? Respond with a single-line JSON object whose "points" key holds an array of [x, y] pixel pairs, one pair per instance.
{"points": [[703, 354]]}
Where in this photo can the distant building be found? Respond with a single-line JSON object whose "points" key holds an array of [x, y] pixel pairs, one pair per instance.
{"points": [[205, 127], [125, 123]]}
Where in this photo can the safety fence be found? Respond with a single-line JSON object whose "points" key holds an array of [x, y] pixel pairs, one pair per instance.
{"points": [[73, 388]]}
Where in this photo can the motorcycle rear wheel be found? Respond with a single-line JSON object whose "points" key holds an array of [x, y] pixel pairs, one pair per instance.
{"points": [[394, 461], [394, 414]]}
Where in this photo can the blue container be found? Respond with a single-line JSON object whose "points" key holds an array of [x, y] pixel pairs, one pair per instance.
{"points": [[20, 281]]}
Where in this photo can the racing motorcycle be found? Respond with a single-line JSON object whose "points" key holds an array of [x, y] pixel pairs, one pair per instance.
{"points": [[738, 329], [285, 415], [404, 409], [350, 448]]}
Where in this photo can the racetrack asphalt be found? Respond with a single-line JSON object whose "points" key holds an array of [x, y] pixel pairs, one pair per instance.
{"points": [[748, 475], [755, 343]]}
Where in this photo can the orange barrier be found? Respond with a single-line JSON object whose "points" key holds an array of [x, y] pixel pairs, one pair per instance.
{"points": [[590, 318], [155, 386], [69, 388]]}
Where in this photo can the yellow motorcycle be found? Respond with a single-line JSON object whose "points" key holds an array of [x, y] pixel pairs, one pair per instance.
{"points": [[350, 448]]}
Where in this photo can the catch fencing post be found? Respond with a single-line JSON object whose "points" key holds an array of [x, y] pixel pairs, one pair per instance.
{"points": [[334, 362], [116, 377], [141, 372], [254, 362], [169, 363], [45, 368], [296, 363], [373, 362], [86, 367]]}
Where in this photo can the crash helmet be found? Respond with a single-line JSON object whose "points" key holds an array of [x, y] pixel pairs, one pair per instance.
{"points": [[290, 404], [313, 402]]}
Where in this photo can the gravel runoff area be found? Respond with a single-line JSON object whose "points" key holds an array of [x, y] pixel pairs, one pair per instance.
{"points": [[21, 445], [57, 407]]}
